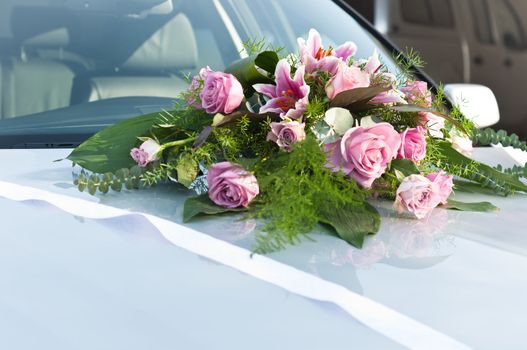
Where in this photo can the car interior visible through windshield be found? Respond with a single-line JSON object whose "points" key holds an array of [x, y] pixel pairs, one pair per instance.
{"points": [[65, 63], [53, 57]]}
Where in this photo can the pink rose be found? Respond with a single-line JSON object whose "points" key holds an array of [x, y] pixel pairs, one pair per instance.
{"points": [[373, 252], [346, 78], [444, 182], [418, 195], [221, 92], [433, 122], [285, 134], [195, 87], [364, 152], [413, 144], [231, 186], [417, 93], [146, 153]]}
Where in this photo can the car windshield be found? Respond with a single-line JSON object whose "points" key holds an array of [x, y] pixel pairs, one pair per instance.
{"points": [[71, 67]]}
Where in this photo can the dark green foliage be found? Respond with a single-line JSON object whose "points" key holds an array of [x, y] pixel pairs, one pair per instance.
{"points": [[246, 138], [109, 149], [461, 122], [297, 191], [405, 166], [453, 162], [399, 119], [183, 119], [267, 61], [245, 70], [316, 109], [462, 206], [202, 205], [352, 222], [407, 61]]}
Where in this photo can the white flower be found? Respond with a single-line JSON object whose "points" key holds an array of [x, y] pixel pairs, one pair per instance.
{"points": [[462, 144]]}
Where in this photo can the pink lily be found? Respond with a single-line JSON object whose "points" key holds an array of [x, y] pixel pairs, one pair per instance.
{"points": [[373, 63], [289, 97], [315, 57], [372, 66]]}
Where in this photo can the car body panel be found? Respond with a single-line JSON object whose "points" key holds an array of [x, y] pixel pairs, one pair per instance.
{"points": [[458, 272]]}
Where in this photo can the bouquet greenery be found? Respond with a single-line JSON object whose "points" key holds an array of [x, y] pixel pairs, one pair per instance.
{"points": [[302, 139]]}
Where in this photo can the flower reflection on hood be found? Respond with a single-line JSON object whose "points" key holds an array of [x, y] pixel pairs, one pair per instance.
{"points": [[289, 97]]}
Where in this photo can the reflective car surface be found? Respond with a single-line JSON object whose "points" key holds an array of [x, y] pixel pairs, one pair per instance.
{"points": [[68, 282]]}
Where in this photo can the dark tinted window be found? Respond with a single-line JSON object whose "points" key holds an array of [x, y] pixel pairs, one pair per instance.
{"points": [[428, 12], [442, 13], [509, 26], [481, 21], [416, 11]]}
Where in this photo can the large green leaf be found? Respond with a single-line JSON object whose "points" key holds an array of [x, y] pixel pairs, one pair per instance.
{"points": [[202, 205], [352, 222], [247, 73], [109, 149], [456, 159], [472, 187], [267, 61], [405, 166], [474, 206]]}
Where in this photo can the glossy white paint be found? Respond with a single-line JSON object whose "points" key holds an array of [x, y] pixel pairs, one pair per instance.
{"points": [[476, 102], [65, 279]]}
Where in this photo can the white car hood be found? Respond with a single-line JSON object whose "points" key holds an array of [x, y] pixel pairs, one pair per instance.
{"points": [[65, 278]]}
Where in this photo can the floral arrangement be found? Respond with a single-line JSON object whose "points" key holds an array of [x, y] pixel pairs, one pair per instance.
{"points": [[302, 139]]}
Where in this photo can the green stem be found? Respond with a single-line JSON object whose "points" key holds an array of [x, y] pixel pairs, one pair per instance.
{"points": [[176, 143]]}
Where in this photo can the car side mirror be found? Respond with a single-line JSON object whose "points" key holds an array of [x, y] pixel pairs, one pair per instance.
{"points": [[476, 102]]}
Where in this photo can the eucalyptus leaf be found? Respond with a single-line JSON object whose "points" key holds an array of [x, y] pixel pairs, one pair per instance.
{"points": [[339, 119], [352, 222], [109, 149], [334, 124], [369, 120], [475, 206], [202, 205], [92, 187], [324, 133]]}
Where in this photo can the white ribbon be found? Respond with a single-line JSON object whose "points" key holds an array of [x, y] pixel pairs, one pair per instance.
{"points": [[389, 323]]}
